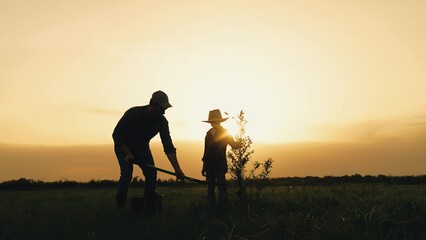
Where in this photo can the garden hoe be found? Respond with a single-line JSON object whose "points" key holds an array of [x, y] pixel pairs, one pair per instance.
{"points": [[185, 177]]}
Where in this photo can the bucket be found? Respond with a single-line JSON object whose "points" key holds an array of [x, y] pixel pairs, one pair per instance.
{"points": [[147, 205]]}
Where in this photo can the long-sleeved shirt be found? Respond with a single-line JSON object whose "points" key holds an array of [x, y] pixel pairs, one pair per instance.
{"points": [[216, 141], [135, 130]]}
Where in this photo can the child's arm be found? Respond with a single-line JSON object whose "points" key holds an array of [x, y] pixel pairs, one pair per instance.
{"points": [[203, 171], [233, 143]]}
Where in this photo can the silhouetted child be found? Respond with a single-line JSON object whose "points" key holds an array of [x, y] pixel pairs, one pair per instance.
{"points": [[214, 159]]}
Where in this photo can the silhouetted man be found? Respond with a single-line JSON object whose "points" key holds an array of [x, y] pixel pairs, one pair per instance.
{"points": [[131, 144]]}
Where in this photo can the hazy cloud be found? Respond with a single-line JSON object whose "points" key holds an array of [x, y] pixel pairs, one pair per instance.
{"points": [[83, 108], [103, 111], [371, 130], [363, 130]]}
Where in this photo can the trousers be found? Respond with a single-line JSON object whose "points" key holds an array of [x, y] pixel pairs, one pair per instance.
{"points": [[126, 173], [218, 177]]}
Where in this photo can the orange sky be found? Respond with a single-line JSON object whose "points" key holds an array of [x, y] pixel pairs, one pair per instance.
{"points": [[374, 156], [325, 72]]}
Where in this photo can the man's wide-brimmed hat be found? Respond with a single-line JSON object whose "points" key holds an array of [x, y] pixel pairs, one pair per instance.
{"points": [[215, 116], [161, 98]]}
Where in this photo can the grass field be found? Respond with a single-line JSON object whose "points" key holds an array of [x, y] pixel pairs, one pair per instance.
{"points": [[357, 211]]}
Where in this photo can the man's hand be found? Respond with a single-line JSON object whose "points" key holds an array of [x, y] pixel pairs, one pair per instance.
{"points": [[180, 175], [173, 160]]}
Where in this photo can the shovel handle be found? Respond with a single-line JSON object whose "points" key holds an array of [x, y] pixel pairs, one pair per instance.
{"points": [[185, 177]]}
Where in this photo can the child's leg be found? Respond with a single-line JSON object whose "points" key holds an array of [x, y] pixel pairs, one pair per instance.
{"points": [[211, 178], [220, 176]]}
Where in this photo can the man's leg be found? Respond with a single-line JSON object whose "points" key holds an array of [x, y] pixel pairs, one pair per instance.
{"points": [[150, 176], [211, 178], [126, 170], [150, 193]]}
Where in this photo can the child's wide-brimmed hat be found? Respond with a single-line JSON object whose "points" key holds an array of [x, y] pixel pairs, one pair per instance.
{"points": [[215, 116]]}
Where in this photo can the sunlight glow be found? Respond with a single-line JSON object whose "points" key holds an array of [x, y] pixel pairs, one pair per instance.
{"points": [[292, 67]]}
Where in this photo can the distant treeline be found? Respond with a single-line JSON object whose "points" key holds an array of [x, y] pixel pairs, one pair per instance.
{"points": [[29, 184], [356, 178]]}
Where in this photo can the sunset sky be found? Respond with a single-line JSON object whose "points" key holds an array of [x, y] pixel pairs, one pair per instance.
{"points": [[345, 76]]}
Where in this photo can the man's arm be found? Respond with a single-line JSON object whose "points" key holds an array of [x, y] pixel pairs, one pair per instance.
{"points": [[173, 160], [169, 148]]}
